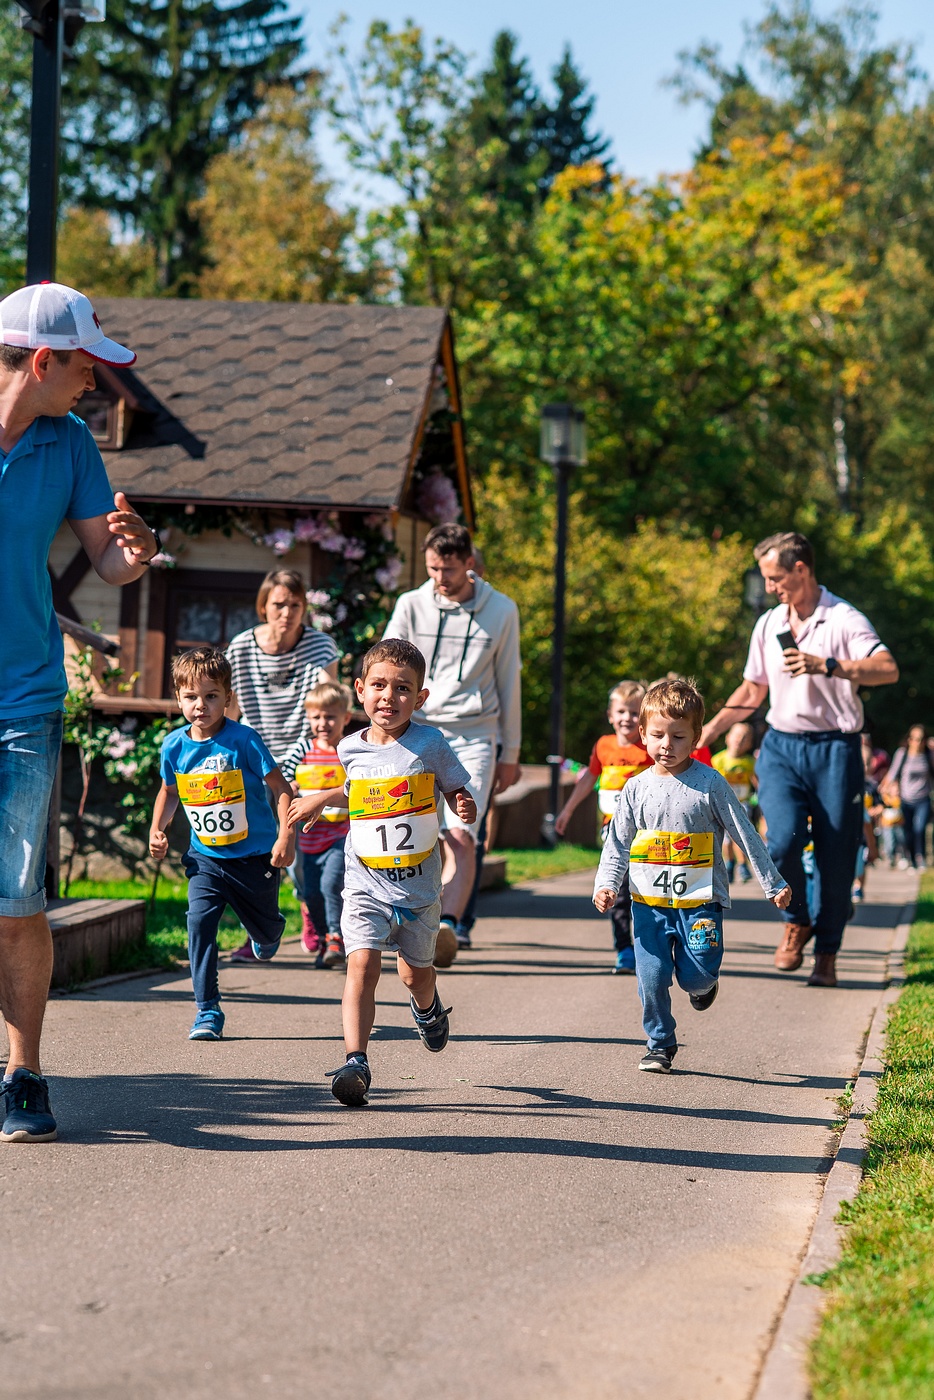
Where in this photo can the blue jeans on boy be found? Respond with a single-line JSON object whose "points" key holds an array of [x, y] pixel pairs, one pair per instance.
{"points": [[816, 775], [324, 886], [249, 885], [674, 944]]}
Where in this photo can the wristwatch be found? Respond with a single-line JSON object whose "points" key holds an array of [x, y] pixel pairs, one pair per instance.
{"points": [[830, 665]]}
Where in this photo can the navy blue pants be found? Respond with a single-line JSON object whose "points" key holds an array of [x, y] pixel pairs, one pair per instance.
{"points": [[818, 776], [249, 885], [324, 886], [916, 816]]}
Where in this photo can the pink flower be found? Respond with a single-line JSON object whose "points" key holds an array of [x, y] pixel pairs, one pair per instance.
{"points": [[305, 529], [437, 498], [318, 598], [322, 622], [388, 576], [331, 539], [280, 541], [354, 549]]}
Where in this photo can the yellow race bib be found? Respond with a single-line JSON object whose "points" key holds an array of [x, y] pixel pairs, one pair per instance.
{"points": [[613, 778], [671, 869], [393, 821], [318, 775], [215, 805]]}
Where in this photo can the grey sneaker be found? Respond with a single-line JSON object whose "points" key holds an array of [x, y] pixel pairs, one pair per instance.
{"points": [[658, 1061]]}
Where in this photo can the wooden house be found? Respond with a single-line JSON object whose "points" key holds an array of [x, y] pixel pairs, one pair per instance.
{"points": [[240, 419]]}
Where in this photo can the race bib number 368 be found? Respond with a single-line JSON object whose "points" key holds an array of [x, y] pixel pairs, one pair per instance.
{"points": [[672, 869], [215, 805], [393, 821]]}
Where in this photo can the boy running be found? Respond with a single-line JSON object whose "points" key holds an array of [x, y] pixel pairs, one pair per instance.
{"points": [[615, 759], [392, 873], [737, 764], [327, 709], [668, 832], [219, 770]]}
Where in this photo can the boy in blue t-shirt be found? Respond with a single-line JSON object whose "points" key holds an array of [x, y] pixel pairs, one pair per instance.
{"points": [[219, 770]]}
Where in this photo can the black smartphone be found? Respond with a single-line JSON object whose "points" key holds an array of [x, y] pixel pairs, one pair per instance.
{"points": [[786, 640]]}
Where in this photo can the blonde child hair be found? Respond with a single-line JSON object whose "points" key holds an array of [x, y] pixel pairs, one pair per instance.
{"points": [[675, 699], [625, 690], [328, 695]]}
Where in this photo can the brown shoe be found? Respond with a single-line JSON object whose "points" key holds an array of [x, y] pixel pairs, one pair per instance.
{"points": [[446, 947], [825, 970], [790, 952]]}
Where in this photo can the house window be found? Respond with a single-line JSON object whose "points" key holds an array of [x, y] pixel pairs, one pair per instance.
{"points": [[207, 607], [97, 410]]}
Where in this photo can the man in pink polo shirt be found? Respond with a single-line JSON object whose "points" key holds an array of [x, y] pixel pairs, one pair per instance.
{"points": [[810, 655]]}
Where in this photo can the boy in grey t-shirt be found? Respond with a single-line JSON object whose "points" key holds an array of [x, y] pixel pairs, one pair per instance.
{"points": [[668, 833], [396, 772]]}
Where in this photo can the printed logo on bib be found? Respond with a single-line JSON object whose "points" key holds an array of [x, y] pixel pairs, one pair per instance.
{"points": [[393, 821], [613, 778], [671, 869], [215, 805], [314, 777]]}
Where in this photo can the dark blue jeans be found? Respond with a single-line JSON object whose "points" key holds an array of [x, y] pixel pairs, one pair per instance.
{"points": [[324, 885], [818, 776], [249, 885], [685, 945], [916, 816]]}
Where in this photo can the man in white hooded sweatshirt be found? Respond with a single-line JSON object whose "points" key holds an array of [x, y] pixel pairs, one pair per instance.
{"points": [[469, 635]]}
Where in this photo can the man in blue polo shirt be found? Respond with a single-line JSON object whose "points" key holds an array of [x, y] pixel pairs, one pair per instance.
{"points": [[50, 471]]}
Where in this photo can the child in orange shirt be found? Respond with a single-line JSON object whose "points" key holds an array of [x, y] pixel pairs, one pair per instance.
{"points": [[615, 759]]}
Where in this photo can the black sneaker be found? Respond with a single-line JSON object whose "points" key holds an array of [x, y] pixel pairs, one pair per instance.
{"points": [[705, 999], [351, 1083], [27, 1114], [658, 1061], [432, 1025]]}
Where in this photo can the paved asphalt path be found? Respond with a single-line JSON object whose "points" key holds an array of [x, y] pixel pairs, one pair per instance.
{"points": [[523, 1216]]}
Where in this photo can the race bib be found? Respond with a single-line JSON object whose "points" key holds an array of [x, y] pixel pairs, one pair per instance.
{"points": [[215, 805], [393, 821], [313, 777], [671, 869], [613, 778], [741, 791]]}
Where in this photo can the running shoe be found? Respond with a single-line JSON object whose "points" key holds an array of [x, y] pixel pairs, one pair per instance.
{"points": [[446, 945], [334, 956], [351, 1083], [705, 999], [311, 939], [462, 934], [27, 1114], [264, 952], [745, 874], [208, 1024], [432, 1025], [625, 961], [658, 1061], [244, 954]]}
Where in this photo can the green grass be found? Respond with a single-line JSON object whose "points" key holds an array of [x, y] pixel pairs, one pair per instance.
{"points": [[166, 936], [876, 1340], [539, 864]]}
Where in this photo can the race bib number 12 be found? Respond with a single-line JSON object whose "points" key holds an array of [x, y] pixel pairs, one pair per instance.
{"points": [[393, 821], [215, 805], [671, 869]]}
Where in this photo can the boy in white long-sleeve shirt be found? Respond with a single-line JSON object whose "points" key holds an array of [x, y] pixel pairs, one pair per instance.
{"points": [[668, 833]]}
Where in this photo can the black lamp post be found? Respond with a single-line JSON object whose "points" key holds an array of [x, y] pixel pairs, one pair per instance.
{"points": [[754, 592], [54, 25], [563, 447]]}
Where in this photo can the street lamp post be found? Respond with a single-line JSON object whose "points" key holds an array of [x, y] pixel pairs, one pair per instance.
{"points": [[563, 447], [54, 25]]}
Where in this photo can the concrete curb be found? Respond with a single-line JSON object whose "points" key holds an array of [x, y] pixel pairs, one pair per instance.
{"points": [[784, 1371]]}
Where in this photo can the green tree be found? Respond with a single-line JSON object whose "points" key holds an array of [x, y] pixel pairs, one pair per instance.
{"points": [[154, 95], [89, 257], [15, 82], [565, 131], [270, 232]]}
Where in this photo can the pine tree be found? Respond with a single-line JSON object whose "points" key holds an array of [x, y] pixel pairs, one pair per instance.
{"points": [[155, 94], [503, 126], [15, 73], [565, 128]]}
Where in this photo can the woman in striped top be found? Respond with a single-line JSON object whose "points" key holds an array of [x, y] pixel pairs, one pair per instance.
{"points": [[274, 666]]}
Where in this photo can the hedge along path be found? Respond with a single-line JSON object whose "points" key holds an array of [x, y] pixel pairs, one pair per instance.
{"points": [[876, 1339]]}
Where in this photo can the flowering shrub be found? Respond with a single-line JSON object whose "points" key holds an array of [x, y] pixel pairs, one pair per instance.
{"points": [[133, 757], [437, 498]]}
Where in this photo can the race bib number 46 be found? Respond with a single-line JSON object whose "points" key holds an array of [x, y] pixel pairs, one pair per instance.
{"points": [[672, 869], [215, 805], [393, 821]]}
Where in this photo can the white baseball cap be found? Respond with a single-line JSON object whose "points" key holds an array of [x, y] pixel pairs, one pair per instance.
{"points": [[59, 318]]}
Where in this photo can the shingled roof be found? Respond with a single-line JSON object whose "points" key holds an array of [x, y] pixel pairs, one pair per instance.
{"points": [[271, 403]]}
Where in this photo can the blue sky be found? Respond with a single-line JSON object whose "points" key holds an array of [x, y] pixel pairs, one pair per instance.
{"points": [[624, 48]]}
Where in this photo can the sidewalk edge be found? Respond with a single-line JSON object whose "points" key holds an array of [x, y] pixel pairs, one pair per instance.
{"points": [[783, 1375]]}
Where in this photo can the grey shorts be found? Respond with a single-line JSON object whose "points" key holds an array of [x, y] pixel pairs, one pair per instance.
{"points": [[368, 922]]}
